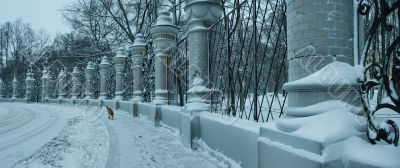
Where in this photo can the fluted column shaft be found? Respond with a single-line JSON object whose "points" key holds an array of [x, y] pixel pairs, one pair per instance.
{"points": [[201, 14], [62, 89], [1, 89], [45, 86], [104, 69], [75, 83], [29, 86], [164, 34], [119, 61], [89, 81], [138, 50], [14, 85]]}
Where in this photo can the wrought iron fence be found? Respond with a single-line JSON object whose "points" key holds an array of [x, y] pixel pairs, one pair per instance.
{"points": [[247, 57], [381, 59], [180, 76], [248, 66]]}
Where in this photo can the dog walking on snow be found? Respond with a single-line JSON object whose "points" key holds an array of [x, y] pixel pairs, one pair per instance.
{"points": [[110, 113]]}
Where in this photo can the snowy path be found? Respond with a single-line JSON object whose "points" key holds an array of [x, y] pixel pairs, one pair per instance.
{"points": [[34, 135], [26, 128], [141, 145]]}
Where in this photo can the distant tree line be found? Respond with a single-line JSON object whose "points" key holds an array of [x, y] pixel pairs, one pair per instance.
{"points": [[99, 27], [20, 45]]}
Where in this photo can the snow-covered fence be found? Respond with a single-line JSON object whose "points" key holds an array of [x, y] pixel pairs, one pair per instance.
{"points": [[248, 62], [148, 76], [186, 69], [180, 66], [235, 66]]}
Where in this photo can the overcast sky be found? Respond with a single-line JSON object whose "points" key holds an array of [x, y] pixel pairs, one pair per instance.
{"points": [[42, 14]]}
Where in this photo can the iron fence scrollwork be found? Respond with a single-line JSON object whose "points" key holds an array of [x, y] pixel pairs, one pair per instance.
{"points": [[380, 87]]}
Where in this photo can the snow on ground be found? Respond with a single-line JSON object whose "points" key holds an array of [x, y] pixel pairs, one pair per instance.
{"points": [[37, 135], [326, 122], [359, 150], [71, 149], [340, 128], [140, 144], [24, 129]]}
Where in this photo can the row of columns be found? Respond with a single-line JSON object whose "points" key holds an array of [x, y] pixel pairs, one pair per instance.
{"points": [[164, 34], [29, 81], [326, 39], [202, 14]]}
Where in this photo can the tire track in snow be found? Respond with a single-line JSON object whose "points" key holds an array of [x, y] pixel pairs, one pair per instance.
{"points": [[9, 141], [113, 158], [44, 113], [6, 115], [14, 120]]}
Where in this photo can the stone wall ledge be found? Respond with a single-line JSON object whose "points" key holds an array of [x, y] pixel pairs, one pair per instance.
{"points": [[253, 145], [320, 87]]}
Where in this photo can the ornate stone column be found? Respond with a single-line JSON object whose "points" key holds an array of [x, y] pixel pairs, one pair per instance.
{"points": [[318, 34], [104, 70], [29, 85], [119, 61], [1, 89], [201, 15], [75, 83], [45, 84], [138, 50], [322, 87], [62, 79], [164, 34], [50, 85], [89, 80], [14, 85]]}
